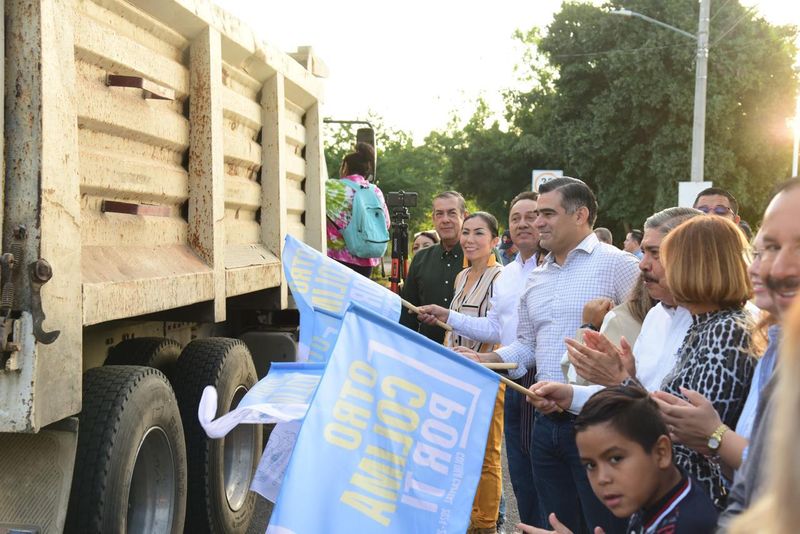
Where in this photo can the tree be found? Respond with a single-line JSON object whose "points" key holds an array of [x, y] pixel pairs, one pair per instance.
{"points": [[614, 100], [488, 165]]}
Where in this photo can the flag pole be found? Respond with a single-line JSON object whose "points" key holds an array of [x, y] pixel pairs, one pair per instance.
{"points": [[505, 380], [522, 389], [407, 305], [496, 366]]}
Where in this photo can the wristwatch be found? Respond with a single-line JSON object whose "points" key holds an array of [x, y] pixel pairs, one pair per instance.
{"points": [[715, 440]]}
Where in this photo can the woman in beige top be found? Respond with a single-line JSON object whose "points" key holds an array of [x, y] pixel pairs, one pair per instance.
{"points": [[473, 291]]}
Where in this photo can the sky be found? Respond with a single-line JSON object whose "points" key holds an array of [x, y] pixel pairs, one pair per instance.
{"points": [[416, 63]]}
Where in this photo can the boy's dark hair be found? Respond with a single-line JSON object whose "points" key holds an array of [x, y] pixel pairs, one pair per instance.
{"points": [[637, 235], [720, 192], [629, 410], [575, 194]]}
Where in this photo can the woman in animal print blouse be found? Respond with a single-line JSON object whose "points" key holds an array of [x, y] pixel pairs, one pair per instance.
{"points": [[706, 271]]}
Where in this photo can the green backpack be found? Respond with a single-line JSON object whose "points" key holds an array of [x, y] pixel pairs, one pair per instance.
{"points": [[366, 235]]}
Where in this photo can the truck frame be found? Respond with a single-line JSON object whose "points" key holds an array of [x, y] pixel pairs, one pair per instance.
{"points": [[156, 154]]}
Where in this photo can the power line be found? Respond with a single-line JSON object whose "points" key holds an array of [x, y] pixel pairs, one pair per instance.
{"points": [[726, 47], [650, 48], [740, 19], [620, 51], [718, 11]]}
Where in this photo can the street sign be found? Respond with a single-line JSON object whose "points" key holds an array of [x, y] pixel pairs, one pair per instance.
{"points": [[687, 191], [539, 177]]}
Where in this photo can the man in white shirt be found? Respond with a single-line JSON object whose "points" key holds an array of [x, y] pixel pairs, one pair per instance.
{"points": [[578, 268], [654, 351], [500, 326]]}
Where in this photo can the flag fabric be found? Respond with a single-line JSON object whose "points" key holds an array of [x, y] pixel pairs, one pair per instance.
{"points": [[394, 438], [318, 282], [275, 459], [281, 396]]}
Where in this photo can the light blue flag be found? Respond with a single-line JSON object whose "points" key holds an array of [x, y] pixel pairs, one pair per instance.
{"points": [[281, 396], [394, 439], [318, 282]]}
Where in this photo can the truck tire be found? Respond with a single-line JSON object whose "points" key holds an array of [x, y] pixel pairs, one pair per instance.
{"points": [[158, 352], [220, 470], [130, 465]]}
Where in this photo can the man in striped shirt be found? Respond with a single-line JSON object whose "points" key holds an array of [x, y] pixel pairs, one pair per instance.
{"points": [[579, 268]]}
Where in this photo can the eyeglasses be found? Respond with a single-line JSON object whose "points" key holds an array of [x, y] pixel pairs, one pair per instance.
{"points": [[716, 210]]}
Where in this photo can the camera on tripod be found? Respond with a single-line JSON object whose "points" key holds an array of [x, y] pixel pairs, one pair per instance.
{"points": [[399, 202], [401, 199]]}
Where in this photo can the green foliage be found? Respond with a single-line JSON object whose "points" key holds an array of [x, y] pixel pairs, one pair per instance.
{"points": [[487, 164], [615, 101], [611, 102]]}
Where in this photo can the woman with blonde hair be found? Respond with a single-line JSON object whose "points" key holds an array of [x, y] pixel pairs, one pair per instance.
{"points": [[694, 421], [706, 272], [777, 510]]}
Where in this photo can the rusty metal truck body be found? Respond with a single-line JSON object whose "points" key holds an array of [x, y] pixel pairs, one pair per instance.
{"points": [[156, 154]]}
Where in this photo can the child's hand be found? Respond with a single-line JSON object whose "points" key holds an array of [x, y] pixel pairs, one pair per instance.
{"points": [[555, 523]]}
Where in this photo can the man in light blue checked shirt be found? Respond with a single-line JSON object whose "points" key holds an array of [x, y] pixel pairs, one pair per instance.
{"points": [[579, 268], [500, 326]]}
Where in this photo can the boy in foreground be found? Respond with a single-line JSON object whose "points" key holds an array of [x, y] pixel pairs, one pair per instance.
{"points": [[625, 446]]}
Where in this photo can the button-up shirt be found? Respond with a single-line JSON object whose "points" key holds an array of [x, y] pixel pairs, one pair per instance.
{"points": [[430, 281], [761, 377], [500, 323], [655, 350], [551, 307]]}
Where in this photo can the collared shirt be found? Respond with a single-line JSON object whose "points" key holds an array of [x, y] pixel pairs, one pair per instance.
{"points": [[551, 307], [507, 258], [500, 323], [430, 281], [655, 350], [761, 376], [685, 509]]}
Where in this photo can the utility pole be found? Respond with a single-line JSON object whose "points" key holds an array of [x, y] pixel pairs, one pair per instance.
{"points": [[701, 79]]}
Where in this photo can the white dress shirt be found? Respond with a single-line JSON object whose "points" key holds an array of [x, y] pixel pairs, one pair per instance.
{"points": [[551, 307], [655, 351], [500, 323]]}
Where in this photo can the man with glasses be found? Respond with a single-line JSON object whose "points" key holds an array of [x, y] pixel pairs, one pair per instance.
{"points": [[717, 201]]}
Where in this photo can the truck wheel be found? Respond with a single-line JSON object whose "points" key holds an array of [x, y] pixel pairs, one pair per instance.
{"points": [[158, 352], [220, 470], [130, 466]]}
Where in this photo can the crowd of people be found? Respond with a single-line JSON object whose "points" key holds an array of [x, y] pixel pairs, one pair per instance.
{"points": [[662, 392], [652, 369]]}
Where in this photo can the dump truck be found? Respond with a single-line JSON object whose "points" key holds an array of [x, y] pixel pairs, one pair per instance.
{"points": [[156, 154]]}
